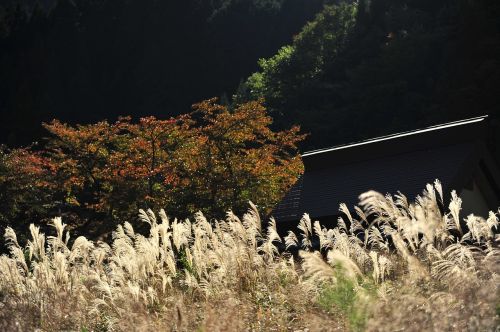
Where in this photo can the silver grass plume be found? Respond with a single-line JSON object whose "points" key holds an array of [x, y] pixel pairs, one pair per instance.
{"points": [[306, 231], [291, 240]]}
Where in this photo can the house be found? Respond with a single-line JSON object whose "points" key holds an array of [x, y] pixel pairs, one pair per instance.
{"points": [[456, 153]]}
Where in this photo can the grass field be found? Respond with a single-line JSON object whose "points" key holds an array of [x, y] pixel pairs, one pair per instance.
{"points": [[389, 265]]}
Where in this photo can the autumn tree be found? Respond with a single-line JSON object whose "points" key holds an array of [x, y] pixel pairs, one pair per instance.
{"points": [[214, 159], [81, 157], [26, 188], [141, 170], [237, 158]]}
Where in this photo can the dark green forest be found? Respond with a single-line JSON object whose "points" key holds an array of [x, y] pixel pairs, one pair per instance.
{"points": [[378, 67], [343, 70], [86, 60]]}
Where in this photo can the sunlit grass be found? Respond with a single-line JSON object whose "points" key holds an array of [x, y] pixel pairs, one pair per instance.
{"points": [[388, 265]]}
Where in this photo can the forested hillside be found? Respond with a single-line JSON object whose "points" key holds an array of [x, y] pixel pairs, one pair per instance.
{"points": [[356, 70], [87, 60], [377, 67]]}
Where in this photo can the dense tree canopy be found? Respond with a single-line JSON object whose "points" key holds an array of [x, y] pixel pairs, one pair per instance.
{"points": [[374, 67], [213, 159], [359, 69], [83, 61]]}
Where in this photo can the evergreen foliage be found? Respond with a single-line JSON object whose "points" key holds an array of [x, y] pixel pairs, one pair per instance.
{"points": [[369, 68], [83, 61]]}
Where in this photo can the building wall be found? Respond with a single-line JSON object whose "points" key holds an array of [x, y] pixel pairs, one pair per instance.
{"points": [[474, 202]]}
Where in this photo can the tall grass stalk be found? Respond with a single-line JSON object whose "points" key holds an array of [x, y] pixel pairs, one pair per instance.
{"points": [[390, 265]]}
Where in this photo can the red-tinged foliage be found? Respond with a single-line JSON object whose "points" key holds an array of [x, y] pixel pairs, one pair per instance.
{"points": [[239, 158], [212, 159], [26, 187]]}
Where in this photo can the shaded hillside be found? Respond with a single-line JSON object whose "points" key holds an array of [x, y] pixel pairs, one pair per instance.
{"points": [[384, 66], [86, 60]]}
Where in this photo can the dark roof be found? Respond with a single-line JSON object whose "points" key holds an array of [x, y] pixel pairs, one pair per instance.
{"points": [[402, 162]]}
